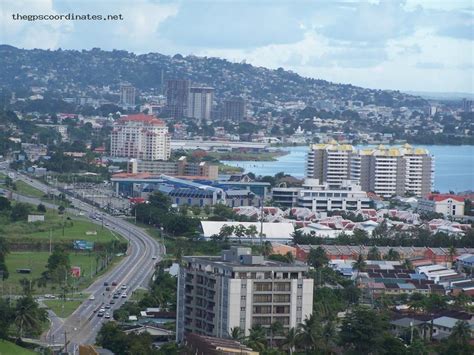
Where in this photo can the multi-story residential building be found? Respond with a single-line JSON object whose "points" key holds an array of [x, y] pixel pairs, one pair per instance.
{"points": [[234, 109], [329, 163], [319, 197], [127, 95], [200, 102], [238, 289], [448, 205], [174, 168], [384, 171], [140, 136], [177, 93]]}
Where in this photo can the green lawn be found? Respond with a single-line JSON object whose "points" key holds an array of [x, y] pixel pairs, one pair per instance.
{"points": [[36, 261], [24, 189], [8, 348], [62, 309], [75, 228]]}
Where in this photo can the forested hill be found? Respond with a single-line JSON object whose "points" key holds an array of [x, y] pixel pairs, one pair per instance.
{"points": [[85, 73]]}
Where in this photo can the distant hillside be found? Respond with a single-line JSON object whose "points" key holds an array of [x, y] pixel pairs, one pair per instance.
{"points": [[83, 73]]}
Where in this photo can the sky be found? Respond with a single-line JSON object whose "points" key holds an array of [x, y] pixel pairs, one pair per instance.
{"points": [[408, 45]]}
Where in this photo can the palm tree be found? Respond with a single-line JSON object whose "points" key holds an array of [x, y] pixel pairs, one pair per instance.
{"points": [[256, 339], [267, 248], [28, 316], [374, 254], [359, 265], [310, 333], [237, 333], [452, 253], [291, 340], [275, 329], [407, 264], [461, 332], [392, 255]]}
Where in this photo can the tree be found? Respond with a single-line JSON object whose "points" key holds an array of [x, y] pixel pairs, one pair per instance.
{"points": [[61, 209], [317, 258], [274, 329], [112, 338], [374, 254], [237, 333], [20, 212], [310, 333], [267, 248], [240, 231], [359, 265], [291, 340], [392, 255], [5, 204], [458, 340], [41, 208], [6, 319], [256, 339], [28, 316], [160, 201], [363, 330]]}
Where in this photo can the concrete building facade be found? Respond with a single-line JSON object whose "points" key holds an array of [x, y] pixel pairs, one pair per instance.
{"points": [[238, 289], [319, 197], [127, 95], [448, 205], [200, 102], [140, 136], [177, 92], [384, 171]]}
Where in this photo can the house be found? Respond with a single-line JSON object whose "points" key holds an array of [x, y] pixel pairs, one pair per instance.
{"points": [[447, 204], [196, 344]]}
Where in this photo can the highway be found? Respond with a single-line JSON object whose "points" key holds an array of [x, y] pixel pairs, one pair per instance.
{"points": [[134, 271]]}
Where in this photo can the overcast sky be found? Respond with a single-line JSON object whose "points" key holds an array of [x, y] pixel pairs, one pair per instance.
{"points": [[393, 44]]}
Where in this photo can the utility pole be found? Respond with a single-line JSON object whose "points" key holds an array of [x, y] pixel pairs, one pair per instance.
{"points": [[261, 222], [50, 241]]}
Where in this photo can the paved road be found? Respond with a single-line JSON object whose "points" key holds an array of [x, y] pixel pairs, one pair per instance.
{"points": [[134, 272]]}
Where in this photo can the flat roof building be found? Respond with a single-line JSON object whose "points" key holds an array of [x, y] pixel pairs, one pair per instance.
{"points": [[238, 289]]}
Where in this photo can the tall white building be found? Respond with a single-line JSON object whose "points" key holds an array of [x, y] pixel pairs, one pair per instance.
{"points": [[238, 289], [200, 102], [385, 171], [329, 163], [140, 136]]}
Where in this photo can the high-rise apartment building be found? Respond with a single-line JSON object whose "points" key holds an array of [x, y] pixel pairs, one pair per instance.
{"points": [[177, 92], [127, 95], [140, 136], [234, 109], [238, 289], [200, 102], [384, 171], [329, 163]]}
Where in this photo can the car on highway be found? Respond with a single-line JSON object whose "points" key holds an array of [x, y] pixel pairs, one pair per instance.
{"points": [[107, 288], [91, 298], [154, 257], [107, 315], [107, 306], [124, 287], [114, 283], [116, 295], [102, 310], [124, 295], [112, 301], [106, 283], [100, 314]]}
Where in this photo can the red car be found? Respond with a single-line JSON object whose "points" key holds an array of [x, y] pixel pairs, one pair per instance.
{"points": [[114, 283]]}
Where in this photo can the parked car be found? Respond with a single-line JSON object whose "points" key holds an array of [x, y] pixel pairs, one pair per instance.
{"points": [[91, 298]]}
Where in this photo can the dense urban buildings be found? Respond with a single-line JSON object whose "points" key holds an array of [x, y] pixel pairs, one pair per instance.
{"points": [[238, 289], [177, 92], [140, 136], [200, 102], [319, 197], [127, 96], [386, 171]]}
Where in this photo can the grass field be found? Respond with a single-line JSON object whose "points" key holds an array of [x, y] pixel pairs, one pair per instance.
{"points": [[62, 309], [76, 228], [8, 348], [24, 189], [36, 261]]}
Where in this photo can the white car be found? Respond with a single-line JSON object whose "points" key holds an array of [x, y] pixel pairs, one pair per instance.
{"points": [[107, 315], [102, 310], [91, 298], [124, 295]]}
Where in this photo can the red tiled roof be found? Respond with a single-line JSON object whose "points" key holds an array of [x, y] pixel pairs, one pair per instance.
{"points": [[442, 197], [141, 117]]}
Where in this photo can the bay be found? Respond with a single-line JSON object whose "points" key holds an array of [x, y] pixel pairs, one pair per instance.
{"points": [[454, 165]]}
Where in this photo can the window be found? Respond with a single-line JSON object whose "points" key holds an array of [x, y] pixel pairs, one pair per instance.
{"points": [[299, 308], [242, 309], [243, 298], [300, 286]]}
